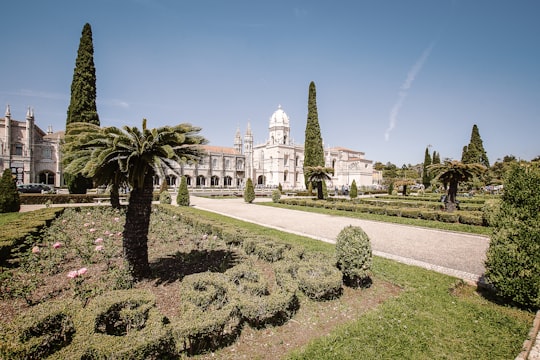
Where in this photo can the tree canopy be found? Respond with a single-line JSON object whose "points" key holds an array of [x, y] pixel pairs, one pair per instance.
{"points": [[138, 155]]}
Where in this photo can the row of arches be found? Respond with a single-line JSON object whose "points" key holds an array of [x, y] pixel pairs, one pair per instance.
{"points": [[199, 181]]}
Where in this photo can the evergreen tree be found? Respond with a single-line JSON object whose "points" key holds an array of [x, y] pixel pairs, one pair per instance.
{"points": [[436, 159], [475, 152], [426, 177], [9, 196], [354, 190], [249, 192], [313, 146], [82, 105], [513, 259], [182, 199]]}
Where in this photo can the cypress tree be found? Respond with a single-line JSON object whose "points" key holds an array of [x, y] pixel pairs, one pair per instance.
{"points": [[82, 105], [313, 146], [9, 196], [436, 158], [475, 152], [426, 177]]}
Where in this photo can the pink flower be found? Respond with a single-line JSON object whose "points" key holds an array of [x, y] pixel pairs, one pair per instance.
{"points": [[35, 249], [64, 221], [99, 248], [106, 232], [86, 224], [98, 241], [119, 233], [56, 245], [92, 230], [116, 219], [75, 273], [204, 237]]}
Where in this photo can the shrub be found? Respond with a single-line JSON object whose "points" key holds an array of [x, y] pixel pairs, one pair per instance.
{"points": [[354, 190], [182, 198], [276, 195], [354, 255], [490, 211], [9, 196], [38, 333], [513, 256], [319, 279], [249, 191], [165, 197], [471, 218]]}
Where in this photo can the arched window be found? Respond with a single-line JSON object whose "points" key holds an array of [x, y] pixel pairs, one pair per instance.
{"points": [[261, 180], [214, 181], [201, 180], [171, 180], [227, 181], [214, 163], [46, 177], [285, 173], [188, 180]]}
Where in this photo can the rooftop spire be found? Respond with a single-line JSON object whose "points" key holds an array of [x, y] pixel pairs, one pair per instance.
{"points": [[8, 111]]}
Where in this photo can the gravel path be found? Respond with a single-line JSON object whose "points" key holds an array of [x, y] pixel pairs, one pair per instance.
{"points": [[457, 254]]}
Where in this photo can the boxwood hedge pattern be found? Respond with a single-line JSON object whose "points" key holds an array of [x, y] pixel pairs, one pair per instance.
{"points": [[212, 306]]}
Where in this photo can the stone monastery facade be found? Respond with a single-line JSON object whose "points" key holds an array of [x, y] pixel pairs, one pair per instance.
{"points": [[35, 157]]}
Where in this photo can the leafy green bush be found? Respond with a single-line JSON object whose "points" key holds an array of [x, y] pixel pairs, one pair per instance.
{"points": [[182, 198], [249, 191], [513, 257], [165, 197], [9, 196], [276, 195], [319, 279], [354, 190], [354, 255]]}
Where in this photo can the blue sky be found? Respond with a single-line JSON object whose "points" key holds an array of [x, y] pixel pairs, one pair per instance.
{"points": [[392, 76]]}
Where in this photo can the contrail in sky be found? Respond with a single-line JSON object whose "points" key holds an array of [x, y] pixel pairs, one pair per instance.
{"points": [[403, 90]]}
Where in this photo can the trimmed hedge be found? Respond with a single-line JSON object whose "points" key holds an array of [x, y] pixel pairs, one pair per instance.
{"points": [[15, 232], [395, 208], [120, 324]]}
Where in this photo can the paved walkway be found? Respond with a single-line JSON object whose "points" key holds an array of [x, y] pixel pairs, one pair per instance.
{"points": [[456, 254]]}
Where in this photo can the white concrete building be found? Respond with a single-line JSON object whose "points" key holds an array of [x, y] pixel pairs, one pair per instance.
{"points": [[34, 156]]}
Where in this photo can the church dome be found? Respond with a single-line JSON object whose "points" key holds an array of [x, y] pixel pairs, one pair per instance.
{"points": [[279, 117]]}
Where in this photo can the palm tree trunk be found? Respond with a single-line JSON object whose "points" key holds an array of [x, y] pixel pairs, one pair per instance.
{"points": [[451, 198], [115, 196], [135, 241], [320, 194]]}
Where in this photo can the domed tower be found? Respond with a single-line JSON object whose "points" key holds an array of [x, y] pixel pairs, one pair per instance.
{"points": [[279, 128]]}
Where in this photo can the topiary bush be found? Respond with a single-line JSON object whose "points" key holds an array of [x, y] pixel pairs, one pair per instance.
{"points": [[165, 197], [9, 195], [319, 279], [182, 198], [276, 195], [354, 256], [354, 190], [513, 256], [249, 191]]}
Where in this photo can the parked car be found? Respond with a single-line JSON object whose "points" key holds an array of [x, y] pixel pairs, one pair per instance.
{"points": [[35, 188]]}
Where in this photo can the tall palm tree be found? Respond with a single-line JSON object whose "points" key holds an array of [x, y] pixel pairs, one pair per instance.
{"points": [[138, 155], [451, 173], [318, 174]]}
